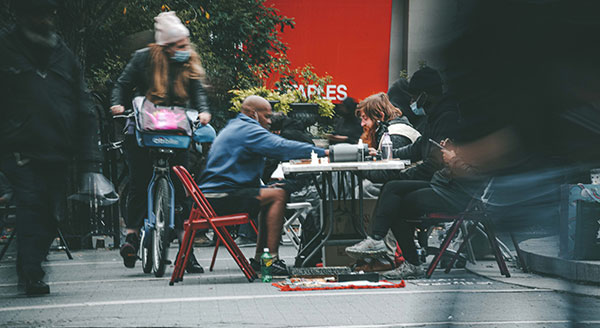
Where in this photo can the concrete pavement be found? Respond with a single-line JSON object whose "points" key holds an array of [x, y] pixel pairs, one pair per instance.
{"points": [[96, 290]]}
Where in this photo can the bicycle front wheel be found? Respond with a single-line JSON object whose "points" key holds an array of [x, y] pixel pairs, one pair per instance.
{"points": [[160, 234], [146, 251]]}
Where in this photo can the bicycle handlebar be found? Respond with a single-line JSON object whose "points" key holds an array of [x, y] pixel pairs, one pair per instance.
{"points": [[128, 113]]}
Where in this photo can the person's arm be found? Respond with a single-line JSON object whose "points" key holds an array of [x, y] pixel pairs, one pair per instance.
{"points": [[271, 145], [198, 96], [458, 167], [412, 151], [123, 87]]}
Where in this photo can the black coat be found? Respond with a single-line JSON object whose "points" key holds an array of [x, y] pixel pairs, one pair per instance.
{"points": [[46, 112], [442, 122], [136, 78]]}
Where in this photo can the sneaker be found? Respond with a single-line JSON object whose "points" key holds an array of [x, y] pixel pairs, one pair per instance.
{"points": [[405, 271], [129, 250], [278, 268], [242, 241], [367, 248], [203, 241]]}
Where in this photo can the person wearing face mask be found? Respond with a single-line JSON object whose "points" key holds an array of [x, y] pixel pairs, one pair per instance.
{"points": [[440, 115], [47, 120], [168, 73], [400, 98]]}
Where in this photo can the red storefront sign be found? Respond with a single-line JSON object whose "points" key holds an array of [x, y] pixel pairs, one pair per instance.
{"points": [[347, 39]]}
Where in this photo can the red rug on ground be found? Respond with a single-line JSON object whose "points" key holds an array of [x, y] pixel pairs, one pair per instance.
{"points": [[291, 286]]}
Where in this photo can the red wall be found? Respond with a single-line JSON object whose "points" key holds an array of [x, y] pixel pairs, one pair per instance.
{"points": [[348, 39]]}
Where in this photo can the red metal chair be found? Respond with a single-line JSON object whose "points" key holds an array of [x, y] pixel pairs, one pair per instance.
{"points": [[202, 216]]}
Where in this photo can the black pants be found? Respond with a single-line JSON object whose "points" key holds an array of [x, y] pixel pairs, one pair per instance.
{"points": [[404, 200], [39, 194], [140, 173]]}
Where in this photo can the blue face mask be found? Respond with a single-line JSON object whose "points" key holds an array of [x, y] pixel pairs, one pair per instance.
{"points": [[419, 111], [181, 56]]}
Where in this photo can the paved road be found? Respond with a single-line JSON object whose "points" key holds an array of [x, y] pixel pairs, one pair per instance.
{"points": [[96, 290]]}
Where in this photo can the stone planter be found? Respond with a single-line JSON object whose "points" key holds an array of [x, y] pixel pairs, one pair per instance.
{"points": [[306, 113]]}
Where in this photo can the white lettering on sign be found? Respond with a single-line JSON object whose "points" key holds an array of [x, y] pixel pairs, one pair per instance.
{"points": [[164, 141], [332, 91]]}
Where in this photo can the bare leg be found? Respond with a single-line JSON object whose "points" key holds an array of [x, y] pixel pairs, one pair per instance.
{"points": [[272, 202]]}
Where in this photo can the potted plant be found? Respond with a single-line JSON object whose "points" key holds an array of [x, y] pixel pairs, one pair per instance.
{"points": [[303, 103]]}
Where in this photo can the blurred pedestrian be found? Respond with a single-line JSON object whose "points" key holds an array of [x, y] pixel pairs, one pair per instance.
{"points": [[47, 120]]}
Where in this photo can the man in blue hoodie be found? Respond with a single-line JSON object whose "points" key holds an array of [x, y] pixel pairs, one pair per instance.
{"points": [[231, 180]]}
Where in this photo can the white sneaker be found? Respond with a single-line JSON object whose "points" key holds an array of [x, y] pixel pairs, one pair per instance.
{"points": [[405, 271], [367, 248]]}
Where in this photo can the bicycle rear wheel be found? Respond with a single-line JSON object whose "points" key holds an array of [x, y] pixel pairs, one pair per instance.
{"points": [[160, 234]]}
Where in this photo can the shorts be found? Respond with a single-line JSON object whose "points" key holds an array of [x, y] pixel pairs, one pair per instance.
{"points": [[239, 201]]}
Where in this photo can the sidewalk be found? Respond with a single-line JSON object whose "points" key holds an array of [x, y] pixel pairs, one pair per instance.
{"points": [[549, 270]]}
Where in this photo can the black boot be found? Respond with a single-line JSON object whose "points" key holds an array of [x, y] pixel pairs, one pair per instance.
{"points": [[129, 250], [193, 266], [36, 287]]}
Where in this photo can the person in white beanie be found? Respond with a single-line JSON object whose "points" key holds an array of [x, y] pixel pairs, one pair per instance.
{"points": [[168, 73]]}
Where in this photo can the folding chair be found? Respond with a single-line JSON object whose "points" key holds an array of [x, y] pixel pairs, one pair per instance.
{"points": [[292, 227], [476, 213], [202, 216]]}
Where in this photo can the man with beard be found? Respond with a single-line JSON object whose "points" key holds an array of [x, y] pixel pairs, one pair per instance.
{"points": [[46, 120]]}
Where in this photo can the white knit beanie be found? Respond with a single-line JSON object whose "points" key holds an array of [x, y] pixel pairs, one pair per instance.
{"points": [[168, 28]]}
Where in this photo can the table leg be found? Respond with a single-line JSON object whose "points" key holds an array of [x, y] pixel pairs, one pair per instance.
{"points": [[330, 215]]}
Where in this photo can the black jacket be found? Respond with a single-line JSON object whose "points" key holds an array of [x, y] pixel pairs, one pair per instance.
{"points": [[349, 126], [442, 122], [136, 78], [46, 112]]}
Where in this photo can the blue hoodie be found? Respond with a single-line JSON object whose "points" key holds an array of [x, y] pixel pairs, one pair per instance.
{"points": [[237, 156]]}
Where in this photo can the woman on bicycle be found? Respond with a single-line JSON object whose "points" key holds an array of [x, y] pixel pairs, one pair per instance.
{"points": [[168, 73]]}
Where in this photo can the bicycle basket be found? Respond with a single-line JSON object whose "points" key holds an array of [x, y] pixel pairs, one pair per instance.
{"points": [[160, 119]]}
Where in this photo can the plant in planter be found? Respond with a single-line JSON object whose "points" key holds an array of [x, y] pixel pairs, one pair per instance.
{"points": [[298, 95], [306, 87], [279, 102]]}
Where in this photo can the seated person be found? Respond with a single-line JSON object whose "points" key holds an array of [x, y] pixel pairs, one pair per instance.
{"points": [[378, 116], [441, 121], [400, 98], [346, 127], [231, 180], [449, 191]]}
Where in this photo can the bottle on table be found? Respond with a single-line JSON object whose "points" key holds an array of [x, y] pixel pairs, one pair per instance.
{"points": [[266, 260], [361, 151], [386, 147]]}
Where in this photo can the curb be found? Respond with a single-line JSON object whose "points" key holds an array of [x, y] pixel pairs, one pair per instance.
{"points": [[541, 256]]}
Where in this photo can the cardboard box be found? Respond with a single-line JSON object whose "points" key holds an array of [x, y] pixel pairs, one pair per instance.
{"points": [[343, 228]]}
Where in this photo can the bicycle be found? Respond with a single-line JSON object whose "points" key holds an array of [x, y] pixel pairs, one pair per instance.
{"points": [[155, 236]]}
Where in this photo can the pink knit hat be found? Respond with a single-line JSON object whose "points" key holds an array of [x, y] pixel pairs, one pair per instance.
{"points": [[168, 28]]}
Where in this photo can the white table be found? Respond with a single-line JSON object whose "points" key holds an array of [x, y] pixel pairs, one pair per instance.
{"points": [[327, 195], [292, 167]]}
